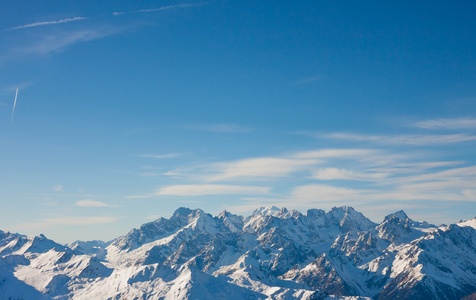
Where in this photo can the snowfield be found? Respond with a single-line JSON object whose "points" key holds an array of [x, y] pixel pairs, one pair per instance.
{"points": [[272, 254]]}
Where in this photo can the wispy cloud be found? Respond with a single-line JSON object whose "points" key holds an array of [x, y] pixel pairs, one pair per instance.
{"points": [[160, 8], [172, 174], [457, 123], [455, 184], [61, 21], [63, 221], [343, 174], [413, 167], [58, 41], [326, 196], [220, 128], [266, 167], [416, 140], [381, 177], [91, 203], [211, 189], [450, 173], [271, 168], [161, 156], [337, 153], [284, 166]]}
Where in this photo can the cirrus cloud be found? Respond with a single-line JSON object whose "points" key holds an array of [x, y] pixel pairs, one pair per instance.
{"points": [[210, 189], [265, 167], [456, 123], [91, 203], [403, 139], [59, 221], [66, 20]]}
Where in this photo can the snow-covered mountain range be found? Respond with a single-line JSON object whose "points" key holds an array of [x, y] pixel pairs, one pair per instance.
{"points": [[272, 254]]}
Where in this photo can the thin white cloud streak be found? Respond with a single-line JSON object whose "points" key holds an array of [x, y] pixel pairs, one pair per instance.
{"points": [[454, 185], [59, 41], [457, 123], [172, 174], [218, 128], [160, 156], [160, 8], [343, 174], [416, 140], [406, 168], [64, 221], [337, 153], [387, 177], [91, 203], [450, 174], [415, 183], [280, 167], [266, 167], [408, 194], [320, 194], [14, 104], [66, 20], [211, 189], [171, 7]]}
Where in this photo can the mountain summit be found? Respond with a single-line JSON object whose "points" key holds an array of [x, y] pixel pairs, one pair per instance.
{"points": [[272, 254]]}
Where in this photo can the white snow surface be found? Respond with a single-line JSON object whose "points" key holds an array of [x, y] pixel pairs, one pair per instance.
{"points": [[272, 254], [470, 223]]}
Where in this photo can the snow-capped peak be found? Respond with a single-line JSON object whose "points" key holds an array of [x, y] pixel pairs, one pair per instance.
{"points": [[348, 219], [273, 254], [233, 222], [401, 215], [469, 223], [181, 211], [267, 211]]}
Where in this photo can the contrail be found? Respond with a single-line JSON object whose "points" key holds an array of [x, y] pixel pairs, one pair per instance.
{"points": [[14, 104], [48, 23]]}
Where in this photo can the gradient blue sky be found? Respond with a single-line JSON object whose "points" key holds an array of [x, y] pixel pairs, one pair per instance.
{"points": [[127, 110]]}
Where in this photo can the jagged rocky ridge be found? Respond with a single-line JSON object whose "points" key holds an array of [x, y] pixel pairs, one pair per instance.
{"points": [[272, 254]]}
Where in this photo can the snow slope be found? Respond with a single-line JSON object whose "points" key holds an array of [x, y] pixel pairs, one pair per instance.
{"points": [[272, 254]]}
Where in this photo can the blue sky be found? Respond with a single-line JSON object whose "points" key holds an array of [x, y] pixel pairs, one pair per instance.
{"points": [[127, 111]]}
